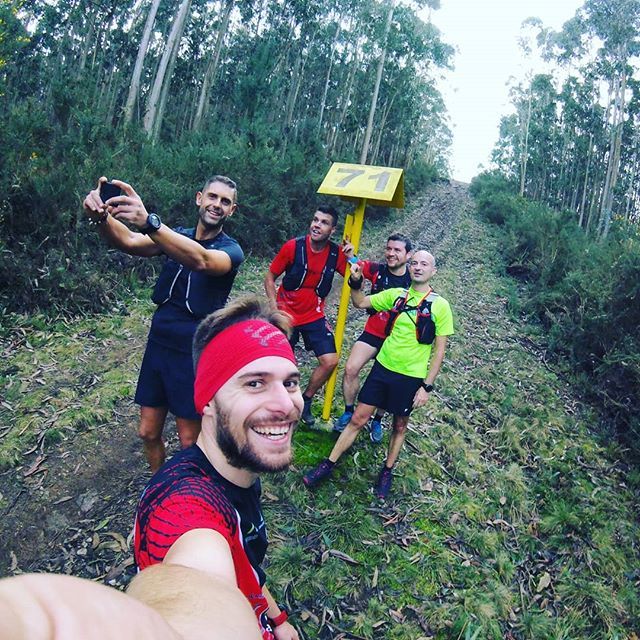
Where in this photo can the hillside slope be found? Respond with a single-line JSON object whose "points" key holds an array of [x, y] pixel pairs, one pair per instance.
{"points": [[509, 517]]}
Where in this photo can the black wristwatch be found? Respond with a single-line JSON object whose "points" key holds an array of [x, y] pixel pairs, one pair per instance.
{"points": [[427, 387], [153, 224]]}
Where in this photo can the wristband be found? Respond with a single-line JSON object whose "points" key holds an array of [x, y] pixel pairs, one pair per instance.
{"points": [[101, 220], [427, 387], [281, 618], [355, 284]]}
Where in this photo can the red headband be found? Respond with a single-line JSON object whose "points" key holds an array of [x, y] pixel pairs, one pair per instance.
{"points": [[231, 350]]}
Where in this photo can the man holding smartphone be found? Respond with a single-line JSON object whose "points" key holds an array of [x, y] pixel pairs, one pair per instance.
{"points": [[196, 278]]}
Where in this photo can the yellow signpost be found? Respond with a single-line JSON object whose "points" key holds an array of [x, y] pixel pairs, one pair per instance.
{"points": [[361, 184]]}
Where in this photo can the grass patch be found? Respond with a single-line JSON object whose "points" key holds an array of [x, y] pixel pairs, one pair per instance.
{"points": [[509, 518]]}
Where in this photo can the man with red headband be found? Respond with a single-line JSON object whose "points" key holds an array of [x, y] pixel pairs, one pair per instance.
{"points": [[202, 508]]}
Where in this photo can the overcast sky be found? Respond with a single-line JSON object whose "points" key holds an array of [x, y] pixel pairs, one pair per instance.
{"points": [[485, 34]]}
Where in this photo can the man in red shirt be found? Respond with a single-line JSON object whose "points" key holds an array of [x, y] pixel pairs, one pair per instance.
{"points": [[309, 264], [389, 274]]}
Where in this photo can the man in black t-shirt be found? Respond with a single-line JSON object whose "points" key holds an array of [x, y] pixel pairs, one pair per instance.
{"points": [[201, 264]]}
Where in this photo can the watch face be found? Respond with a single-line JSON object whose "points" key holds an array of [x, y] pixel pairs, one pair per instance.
{"points": [[154, 221]]}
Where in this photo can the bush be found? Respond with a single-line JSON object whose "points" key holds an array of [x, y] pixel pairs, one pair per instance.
{"points": [[53, 260], [585, 292]]}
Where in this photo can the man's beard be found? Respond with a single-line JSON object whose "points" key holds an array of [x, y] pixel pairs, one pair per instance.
{"points": [[210, 226], [241, 457]]}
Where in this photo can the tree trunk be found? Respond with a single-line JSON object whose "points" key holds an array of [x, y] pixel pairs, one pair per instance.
{"points": [[151, 124], [323, 102], [376, 89], [613, 164], [524, 155], [212, 67], [346, 98], [586, 181], [134, 87]]}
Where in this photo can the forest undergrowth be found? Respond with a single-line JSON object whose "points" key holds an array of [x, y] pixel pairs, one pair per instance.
{"points": [[510, 516]]}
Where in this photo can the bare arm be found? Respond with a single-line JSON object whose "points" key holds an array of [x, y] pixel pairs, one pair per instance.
{"points": [[437, 357], [115, 232], [191, 254], [360, 301], [199, 605], [270, 287], [57, 607], [284, 631]]}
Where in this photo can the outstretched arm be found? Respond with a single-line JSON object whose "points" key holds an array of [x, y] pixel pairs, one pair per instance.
{"points": [[130, 208], [115, 232], [163, 602]]}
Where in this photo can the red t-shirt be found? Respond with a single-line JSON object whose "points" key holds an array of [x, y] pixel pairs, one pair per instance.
{"points": [[377, 323], [304, 305]]}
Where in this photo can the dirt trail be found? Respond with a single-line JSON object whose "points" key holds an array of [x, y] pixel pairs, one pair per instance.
{"points": [[70, 506]]}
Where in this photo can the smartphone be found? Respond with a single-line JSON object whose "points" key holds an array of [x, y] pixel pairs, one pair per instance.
{"points": [[109, 190]]}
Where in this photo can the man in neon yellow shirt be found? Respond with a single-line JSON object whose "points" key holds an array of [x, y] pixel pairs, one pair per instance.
{"points": [[406, 367]]}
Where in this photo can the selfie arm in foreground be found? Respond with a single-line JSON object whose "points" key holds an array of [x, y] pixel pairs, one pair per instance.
{"points": [[164, 602]]}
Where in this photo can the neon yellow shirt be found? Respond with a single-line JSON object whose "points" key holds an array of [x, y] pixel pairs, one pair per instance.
{"points": [[401, 352]]}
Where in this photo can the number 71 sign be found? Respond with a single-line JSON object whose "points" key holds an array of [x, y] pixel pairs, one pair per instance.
{"points": [[363, 184], [378, 185]]}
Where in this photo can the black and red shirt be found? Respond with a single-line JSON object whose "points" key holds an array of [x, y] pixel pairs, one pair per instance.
{"points": [[380, 276], [188, 493]]}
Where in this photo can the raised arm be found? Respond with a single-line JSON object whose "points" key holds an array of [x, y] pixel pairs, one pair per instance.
{"points": [[115, 232], [130, 208], [360, 301]]}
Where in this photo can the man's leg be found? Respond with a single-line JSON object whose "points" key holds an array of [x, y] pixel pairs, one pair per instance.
{"points": [[396, 440], [150, 430], [383, 483], [360, 354], [188, 431], [360, 417], [326, 364]]}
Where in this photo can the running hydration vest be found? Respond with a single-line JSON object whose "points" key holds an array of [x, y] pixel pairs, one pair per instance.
{"points": [[295, 275], [425, 326]]}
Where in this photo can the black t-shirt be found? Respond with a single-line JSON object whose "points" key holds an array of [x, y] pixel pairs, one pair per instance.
{"points": [[182, 294]]}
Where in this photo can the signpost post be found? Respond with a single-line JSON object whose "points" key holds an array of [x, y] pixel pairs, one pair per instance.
{"points": [[362, 184]]}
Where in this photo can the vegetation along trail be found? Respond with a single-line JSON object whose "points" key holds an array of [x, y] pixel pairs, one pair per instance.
{"points": [[509, 517]]}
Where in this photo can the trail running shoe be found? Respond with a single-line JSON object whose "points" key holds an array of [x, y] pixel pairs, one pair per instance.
{"points": [[383, 484], [341, 422], [375, 431], [306, 416], [315, 476]]}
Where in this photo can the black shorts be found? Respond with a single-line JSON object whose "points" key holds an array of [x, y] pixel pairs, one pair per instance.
{"points": [[166, 380], [317, 336], [371, 340], [389, 390]]}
